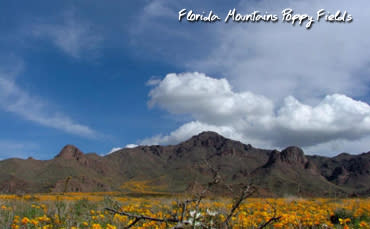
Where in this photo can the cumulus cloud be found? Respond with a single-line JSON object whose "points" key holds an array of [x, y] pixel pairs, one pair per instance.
{"points": [[255, 119], [282, 84], [334, 147], [74, 37], [207, 99], [277, 60], [16, 100], [270, 59]]}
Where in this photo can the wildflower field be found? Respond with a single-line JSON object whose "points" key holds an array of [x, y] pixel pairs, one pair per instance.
{"points": [[88, 210]]}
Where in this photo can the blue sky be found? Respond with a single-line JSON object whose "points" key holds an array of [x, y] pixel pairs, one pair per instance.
{"points": [[101, 76]]}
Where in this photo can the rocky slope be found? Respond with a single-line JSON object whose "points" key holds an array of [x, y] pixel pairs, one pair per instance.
{"points": [[179, 168]]}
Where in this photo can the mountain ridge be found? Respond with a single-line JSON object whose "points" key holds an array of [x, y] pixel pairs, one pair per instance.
{"points": [[175, 168]]}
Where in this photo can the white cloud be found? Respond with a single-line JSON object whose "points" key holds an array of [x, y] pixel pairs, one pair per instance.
{"points": [[207, 99], [74, 37], [255, 119], [130, 146], [16, 100], [277, 60], [271, 59], [332, 148], [283, 84]]}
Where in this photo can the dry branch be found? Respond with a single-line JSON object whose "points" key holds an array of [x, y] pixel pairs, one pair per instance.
{"points": [[137, 218], [271, 220], [247, 192]]}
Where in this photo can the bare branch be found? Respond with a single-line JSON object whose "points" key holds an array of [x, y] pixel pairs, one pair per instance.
{"points": [[137, 218], [247, 192], [133, 223], [272, 219]]}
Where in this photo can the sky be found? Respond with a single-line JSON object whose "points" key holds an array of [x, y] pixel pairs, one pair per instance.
{"points": [[104, 76]]}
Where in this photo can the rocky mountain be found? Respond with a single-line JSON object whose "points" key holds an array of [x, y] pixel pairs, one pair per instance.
{"points": [[352, 172], [291, 172], [180, 168]]}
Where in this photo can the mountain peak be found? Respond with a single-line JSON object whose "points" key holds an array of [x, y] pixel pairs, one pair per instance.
{"points": [[343, 156], [293, 154], [208, 134], [205, 138], [208, 139], [70, 152]]}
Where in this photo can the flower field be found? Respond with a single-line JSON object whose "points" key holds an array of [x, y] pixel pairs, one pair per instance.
{"points": [[87, 210]]}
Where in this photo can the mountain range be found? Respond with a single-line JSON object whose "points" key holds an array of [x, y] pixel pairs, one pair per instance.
{"points": [[184, 167]]}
